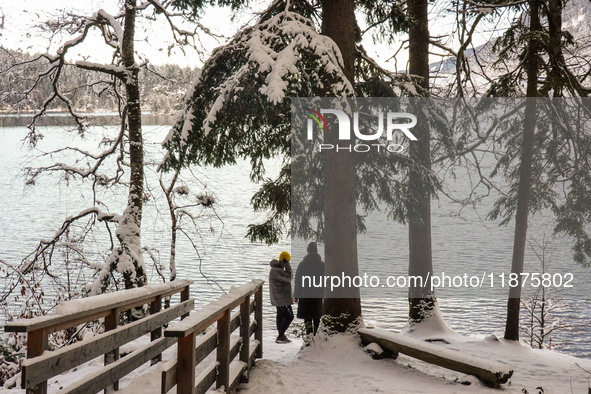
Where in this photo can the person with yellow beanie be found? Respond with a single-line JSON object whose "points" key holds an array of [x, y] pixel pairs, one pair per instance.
{"points": [[280, 277]]}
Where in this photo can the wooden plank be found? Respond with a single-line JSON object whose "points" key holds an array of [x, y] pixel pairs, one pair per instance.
{"points": [[196, 329], [75, 322], [235, 321], [223, 351], [244, 378], [253, 354], [155, 307], [168, 379], [205, 344], [41, 368], [258, 316], [186, 365], [185, 294], [206, 378], [64, 321], [484, 369], [173, 292], [250, 356], [252, 328], [235, 346], [236, 369], [214, 310], [106, 376], [138, 303], [36, 344], [245, 329], [111, 323]]}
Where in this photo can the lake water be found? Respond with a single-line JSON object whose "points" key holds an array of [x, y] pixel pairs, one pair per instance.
{"points": [[462, 243]]}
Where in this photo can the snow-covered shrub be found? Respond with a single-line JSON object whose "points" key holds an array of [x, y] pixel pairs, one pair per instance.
{"points": [[12, 350]]}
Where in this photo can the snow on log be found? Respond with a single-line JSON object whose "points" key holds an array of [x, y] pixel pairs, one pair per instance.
{"points": [[489, 371]]}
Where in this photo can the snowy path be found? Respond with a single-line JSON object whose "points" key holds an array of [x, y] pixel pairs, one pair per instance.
{"points": [[340, 365]]}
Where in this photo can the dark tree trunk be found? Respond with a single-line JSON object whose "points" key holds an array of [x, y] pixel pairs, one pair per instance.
{"points": [[525, 171], [340, 222], [129, 232], [556, 57], [419, 229]]}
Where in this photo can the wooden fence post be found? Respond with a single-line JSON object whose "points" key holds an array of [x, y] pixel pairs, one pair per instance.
{"points": [[186, 365], [111, 323], [244, 334], [155, 307], [258, 316], [223, 352], [36, 344], [184, 297]]}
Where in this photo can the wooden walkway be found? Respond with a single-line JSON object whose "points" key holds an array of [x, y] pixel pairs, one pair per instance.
{"points": [[42, 364]]}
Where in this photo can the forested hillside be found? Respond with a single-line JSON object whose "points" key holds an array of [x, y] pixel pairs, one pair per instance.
{"points": [[162, 87]]}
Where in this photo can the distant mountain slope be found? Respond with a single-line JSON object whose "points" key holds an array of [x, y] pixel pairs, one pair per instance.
{"points": [[576, 19]]}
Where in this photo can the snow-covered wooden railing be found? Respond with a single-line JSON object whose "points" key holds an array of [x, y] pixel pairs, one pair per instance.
{"points": [[42, 364], [192, 350], [489, 371]]}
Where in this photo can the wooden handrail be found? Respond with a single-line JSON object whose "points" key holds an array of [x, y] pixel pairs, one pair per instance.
{"points": [[92, 308], [224, 372], [38, 367], [53, 363]]}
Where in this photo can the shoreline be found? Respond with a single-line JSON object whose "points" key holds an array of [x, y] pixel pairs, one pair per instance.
{"points": [[64, 119]]}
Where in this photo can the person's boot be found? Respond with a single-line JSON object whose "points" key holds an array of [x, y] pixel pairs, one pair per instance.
{"points": [[282, 339]]}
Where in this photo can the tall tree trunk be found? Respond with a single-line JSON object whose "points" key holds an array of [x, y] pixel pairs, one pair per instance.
{"points": [[419, 229], [129, 231], [555, 55], [340, 221], [525, 170]]}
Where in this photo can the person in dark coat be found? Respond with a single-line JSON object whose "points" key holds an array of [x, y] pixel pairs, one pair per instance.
{"points": [[280, 277], [309, 291]]}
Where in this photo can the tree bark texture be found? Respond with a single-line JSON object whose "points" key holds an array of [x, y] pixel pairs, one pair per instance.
{"points": [[129, 231], [555, 55], [525, 171], [419, 229], [340, 197]]}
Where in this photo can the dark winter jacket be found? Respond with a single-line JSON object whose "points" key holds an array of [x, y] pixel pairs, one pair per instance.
{"points": [[310, 295], [280, 277]]}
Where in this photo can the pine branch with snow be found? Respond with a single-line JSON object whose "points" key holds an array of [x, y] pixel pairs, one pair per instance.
{"points": [[239, 106]]}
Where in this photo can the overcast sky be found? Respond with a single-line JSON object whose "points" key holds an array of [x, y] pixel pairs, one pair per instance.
{"points": [[152, 39]]}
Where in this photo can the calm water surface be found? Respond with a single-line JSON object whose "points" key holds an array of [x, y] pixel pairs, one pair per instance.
{"points": [[461, 243]]}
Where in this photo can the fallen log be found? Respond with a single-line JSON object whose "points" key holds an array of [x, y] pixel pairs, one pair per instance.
{"points": [[490, 372]]}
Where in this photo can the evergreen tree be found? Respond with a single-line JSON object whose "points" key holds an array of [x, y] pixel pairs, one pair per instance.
{"points": [[542, 149], [421, 299], [238, 109]]}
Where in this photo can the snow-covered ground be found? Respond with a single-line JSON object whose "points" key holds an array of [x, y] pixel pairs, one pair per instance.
{"points": [[338, 364]]}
